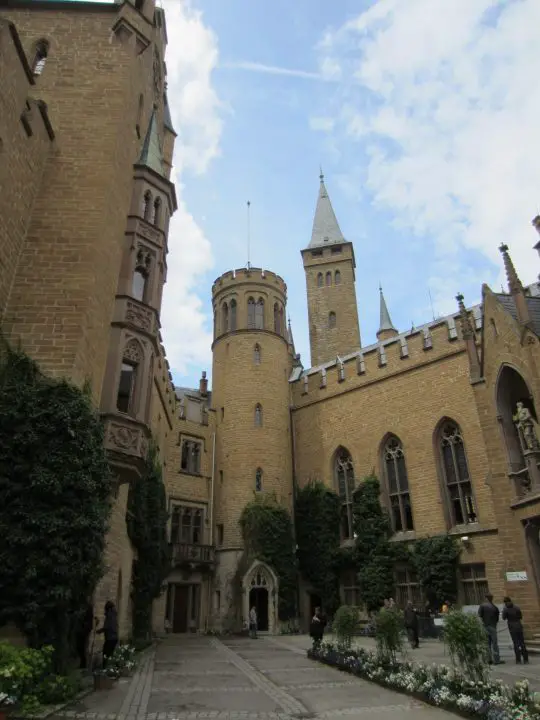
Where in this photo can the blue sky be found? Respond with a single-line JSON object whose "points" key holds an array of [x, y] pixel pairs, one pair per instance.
{"points": [[425, 121]]}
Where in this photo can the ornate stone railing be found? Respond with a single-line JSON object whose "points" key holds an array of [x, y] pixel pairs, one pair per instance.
{"points": [[188, 554], [125, 436]]}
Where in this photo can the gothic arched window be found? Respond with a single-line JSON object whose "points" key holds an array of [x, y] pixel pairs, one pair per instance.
{"points": [[259, 314], [258, 415], [258, 480], [157, 212], [257, 354], [224, 318], [251, 313], [456, 476], [232, 317], [332, 319], [337, 277], [320, 280], [277, 327], [344, 480], [147, 205], [397, 485], [328, 278]]}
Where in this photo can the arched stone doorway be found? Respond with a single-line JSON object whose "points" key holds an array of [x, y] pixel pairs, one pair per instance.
{"points": [[260, 590], [513, 393]]}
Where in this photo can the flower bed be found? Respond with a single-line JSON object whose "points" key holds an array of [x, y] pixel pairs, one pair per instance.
{"points": [[435, 684]]}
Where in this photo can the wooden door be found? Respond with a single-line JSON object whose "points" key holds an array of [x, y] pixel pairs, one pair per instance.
{"points": [[180, 614]]}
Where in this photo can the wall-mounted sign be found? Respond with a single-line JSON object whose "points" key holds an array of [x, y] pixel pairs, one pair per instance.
{"points": [[516, 576]]}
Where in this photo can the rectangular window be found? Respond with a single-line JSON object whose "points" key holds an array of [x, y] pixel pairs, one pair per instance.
{"points": [[125, 388], [407, 588], [191, 457], [138, 285], [187, 525], [220, 534], [351, 591], [474, 584], [336, 249], [316, 253]]}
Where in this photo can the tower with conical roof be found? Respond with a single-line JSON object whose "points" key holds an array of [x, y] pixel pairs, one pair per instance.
{"points": [[329, 266]]}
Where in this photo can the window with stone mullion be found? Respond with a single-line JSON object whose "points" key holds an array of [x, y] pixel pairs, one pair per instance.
{"points": [[398, 487], [345, 483], [458, 482]]}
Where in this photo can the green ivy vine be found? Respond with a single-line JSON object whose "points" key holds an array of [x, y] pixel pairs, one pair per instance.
{"points": [[317, 516], [55, 488], [435, 560], [146, 521], [267, 531]]}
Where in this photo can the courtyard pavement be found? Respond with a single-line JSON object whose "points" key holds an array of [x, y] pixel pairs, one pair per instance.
{"points": [[192, 677]]}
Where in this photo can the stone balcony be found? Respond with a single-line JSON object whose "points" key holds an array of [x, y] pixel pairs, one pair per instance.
{"points": [[186, 555], [126, 443], [139, 316]]}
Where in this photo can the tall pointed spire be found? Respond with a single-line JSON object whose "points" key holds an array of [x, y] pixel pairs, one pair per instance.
{"points": [[326, 230], [386, 327], [290, 336], [151, 155], [515, 287]]}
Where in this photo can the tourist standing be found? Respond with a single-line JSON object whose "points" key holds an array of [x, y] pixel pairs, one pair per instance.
{"points": [[317, 626], [410, 617], [253, 623], [489, 614], [513, 615], [110, 631]]}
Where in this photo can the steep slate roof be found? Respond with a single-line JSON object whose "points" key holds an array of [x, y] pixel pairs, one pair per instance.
{"points": [[326, 230], [507, 301], [385, 321], [167, 119], [151, 150]]}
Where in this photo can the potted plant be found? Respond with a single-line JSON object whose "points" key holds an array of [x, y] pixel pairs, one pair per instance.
{"points": [[104, 678]]}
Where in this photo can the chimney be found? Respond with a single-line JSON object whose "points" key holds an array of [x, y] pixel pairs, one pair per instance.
{"points": [[203, 384]]}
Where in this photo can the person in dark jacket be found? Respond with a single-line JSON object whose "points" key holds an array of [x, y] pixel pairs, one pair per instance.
{"points": [[110, 631], [410, 617], [316, 629], [489, 615], [513, 616]]}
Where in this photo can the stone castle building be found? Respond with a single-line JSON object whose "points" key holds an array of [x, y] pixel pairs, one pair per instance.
{"points": [[445, 413]]}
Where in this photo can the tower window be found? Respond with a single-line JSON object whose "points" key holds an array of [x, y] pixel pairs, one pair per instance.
{"points": [[259, 314], [232, 318], [328, 278], [337, 277], [40, 57], [278, 316], [139, 285], [251, 313], [126, 387], [157, 212], [258, 415], [320, 282], [257, 354], [147, 205], [258, 480], [332, 320], [224, 317]]}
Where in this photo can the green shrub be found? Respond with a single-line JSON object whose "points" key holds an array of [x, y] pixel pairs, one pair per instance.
{"points": [[467, 643], [389, 634], [58, 688], [435, 560], [345, 625]]}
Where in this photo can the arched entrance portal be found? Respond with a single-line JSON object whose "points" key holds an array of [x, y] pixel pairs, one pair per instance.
{"points": [[260, 586]]}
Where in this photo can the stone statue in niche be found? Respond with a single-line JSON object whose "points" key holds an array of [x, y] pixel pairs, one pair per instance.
{"points": [[525, 424]]}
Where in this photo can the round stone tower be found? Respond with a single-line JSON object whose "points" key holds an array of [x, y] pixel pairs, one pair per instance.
{"points": [[250, 395]]}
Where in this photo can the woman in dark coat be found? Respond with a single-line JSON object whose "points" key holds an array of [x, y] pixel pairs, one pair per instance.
{"points": [[110, 631], [316, 629]]}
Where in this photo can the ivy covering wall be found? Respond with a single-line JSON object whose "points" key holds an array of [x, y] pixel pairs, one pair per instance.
{"points": [[317, 518], [435, 560], [146, 521], [55, 486], [267, 532]]}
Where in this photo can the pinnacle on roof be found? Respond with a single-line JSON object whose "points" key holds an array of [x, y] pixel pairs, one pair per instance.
{"points": [[514, 283], [326, 230], [167, 120], [151, 150], [385, 322], [290, 335], [466, 325]]}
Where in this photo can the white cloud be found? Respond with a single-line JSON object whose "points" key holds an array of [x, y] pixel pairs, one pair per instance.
{"points": [[324, 124], [192, 55], [273, 70], [442, 97]]}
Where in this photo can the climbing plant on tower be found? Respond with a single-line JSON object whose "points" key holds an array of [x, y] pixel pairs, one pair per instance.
{"points": [[317, 516], [55, 486], [268, 536], [146, 521]]}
